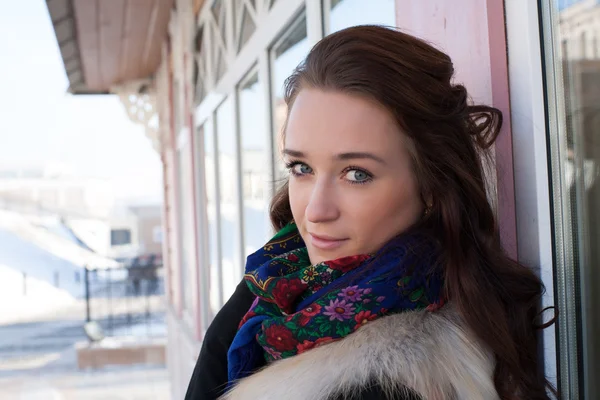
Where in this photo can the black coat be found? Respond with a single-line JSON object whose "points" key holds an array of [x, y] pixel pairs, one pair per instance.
{"points": [[209, 378]]}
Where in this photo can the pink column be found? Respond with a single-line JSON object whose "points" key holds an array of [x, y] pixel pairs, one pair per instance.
{"points": [[472, 33], [175, 270]]}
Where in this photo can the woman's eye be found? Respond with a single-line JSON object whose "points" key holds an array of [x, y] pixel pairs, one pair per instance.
{"points": [[301, 169], [357, 176]]}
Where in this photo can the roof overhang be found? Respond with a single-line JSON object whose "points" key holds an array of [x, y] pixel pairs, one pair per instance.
{"points": [[104, 43]]}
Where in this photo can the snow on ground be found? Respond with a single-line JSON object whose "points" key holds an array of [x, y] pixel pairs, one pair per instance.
{"points": [[41, 269], [37, 264], [30, 299], [42, 313]]}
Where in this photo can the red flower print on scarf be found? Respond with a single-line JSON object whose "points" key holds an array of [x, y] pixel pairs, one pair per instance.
{"points": [[280, 338], [286, 292], [248, 315], [363, 317], [303, 320], [307, 314], [292, 257], [312, 310], [306, 345], [346, 264]]}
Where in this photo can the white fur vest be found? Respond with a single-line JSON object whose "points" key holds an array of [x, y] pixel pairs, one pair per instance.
{"points": [[434, 354]]}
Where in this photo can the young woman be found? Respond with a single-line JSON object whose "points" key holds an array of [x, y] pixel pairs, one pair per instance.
{"points": [[386, 279]]}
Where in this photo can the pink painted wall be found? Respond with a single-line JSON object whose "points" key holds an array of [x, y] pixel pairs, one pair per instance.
{"points": [[472, 33]]}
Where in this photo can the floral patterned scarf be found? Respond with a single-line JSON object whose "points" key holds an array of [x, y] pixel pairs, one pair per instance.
{"points": [[299, 306]]}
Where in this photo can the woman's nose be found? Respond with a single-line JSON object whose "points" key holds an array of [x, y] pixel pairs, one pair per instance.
{"points": [[322, 205]]}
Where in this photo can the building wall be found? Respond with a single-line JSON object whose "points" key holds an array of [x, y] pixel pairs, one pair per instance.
{"points": [[150, 231], [223, 74], [472, 33]]}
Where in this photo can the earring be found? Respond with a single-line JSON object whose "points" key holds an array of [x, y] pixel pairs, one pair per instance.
{"points": [[427, 211]]}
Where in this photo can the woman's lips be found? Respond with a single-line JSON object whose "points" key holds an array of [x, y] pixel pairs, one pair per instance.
{"points": [[325, 242]]}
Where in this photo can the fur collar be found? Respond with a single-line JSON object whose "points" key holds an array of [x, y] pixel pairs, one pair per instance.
{"points": [[434, 354]]}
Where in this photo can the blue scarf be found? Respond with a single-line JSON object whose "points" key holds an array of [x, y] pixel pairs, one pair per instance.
{"points": [[300, 306]]}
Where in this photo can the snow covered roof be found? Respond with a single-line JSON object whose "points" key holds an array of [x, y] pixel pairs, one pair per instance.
{"points": [[53, 242]]}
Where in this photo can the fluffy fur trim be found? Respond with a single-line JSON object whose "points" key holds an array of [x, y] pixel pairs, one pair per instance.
{"points": [[433, 354]]}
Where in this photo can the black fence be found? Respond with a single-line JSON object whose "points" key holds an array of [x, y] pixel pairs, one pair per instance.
{"points": [[126, 301]]}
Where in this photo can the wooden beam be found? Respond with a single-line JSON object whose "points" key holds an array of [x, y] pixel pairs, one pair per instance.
{"points": [[112, 15], [150, 35], [158, 36], [126, 40], [118, 40], [138, 16], [86, 17]]}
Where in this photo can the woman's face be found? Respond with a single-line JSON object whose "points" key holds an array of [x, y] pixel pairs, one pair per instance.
{"points": [[352, 186]]}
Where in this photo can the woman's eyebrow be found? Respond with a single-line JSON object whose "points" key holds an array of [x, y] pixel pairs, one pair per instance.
{"points": [[341, 156], [360, 155]]}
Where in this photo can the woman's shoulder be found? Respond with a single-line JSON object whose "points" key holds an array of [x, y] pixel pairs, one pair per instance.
{"points": [[431, 353], [209, 377]]}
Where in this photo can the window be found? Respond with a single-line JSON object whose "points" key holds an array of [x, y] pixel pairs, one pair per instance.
{"points": [[573, 87], [229, 214], [286, 55], [341, 14], [255, 167], [157, 234], [120, 237], [212, 214], [245, 24]]}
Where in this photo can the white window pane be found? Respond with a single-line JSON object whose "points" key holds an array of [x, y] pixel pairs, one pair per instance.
{"points": [[286, 56], [347, 13], [210, 181], [255, 164], [228, 204], [575, 160]]}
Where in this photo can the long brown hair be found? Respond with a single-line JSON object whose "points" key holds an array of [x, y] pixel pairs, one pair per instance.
{"points": [[497, 297]]}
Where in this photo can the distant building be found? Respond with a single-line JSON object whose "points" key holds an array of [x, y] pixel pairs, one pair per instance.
{"points": [[136, 230], [54, 191], [579, 26]]}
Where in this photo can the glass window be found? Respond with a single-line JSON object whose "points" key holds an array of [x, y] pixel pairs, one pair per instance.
{"points": [[574, 111], [340, 14], [212, 213], [120, 237], [287, 53], [254, 136], [245, 23], [157, 234], [228, 198]]}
